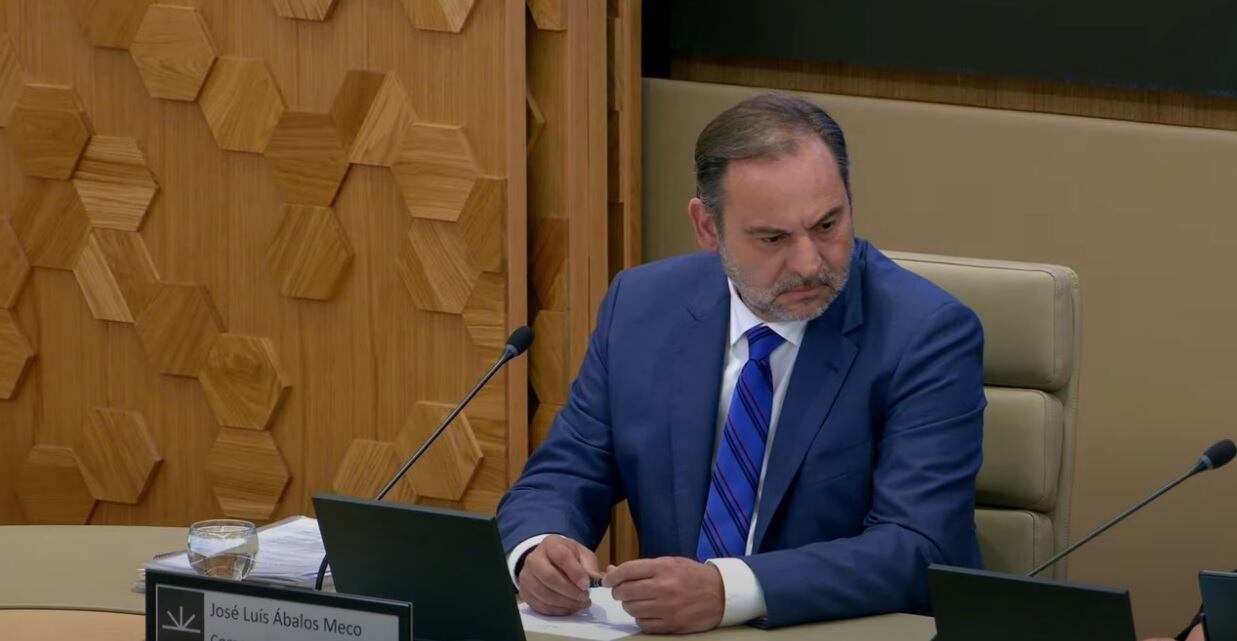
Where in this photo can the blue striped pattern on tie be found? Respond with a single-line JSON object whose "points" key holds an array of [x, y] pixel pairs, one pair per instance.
{"points": [[736, 472]]}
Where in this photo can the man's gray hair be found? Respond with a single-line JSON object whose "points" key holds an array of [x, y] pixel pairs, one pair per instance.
{"points": [[767, 125]]}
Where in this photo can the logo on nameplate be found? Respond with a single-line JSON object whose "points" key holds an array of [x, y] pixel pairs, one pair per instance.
{"points": [[182, 614]]}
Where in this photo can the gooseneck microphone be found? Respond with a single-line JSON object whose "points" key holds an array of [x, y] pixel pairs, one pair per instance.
{"points": [[517, 344], [1216, 456]]}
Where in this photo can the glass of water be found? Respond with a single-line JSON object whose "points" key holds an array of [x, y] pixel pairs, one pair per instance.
{"points": [[223, 548]]}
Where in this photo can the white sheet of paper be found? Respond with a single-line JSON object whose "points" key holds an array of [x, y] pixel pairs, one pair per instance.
{"points": [[288, 552], [605, 620]]}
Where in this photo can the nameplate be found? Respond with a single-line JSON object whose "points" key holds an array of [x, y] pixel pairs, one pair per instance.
{"points": [[185, 607]]}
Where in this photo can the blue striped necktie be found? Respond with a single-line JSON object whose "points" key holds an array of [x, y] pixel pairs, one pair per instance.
{"points": [[736, 472]]}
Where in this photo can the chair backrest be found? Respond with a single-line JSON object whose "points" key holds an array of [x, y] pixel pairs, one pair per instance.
{"points": [[1031, 316]]}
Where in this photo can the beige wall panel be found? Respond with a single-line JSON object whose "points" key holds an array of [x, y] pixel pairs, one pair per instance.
{"points": [[355, 364], [1142, 212]]}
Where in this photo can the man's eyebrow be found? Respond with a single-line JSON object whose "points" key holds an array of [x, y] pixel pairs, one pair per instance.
{"points": [[761, 229]]}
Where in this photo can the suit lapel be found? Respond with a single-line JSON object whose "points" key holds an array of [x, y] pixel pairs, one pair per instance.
{"points": [[696, 379], [823, 362]]}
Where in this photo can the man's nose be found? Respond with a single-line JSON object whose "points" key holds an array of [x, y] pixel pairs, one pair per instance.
{"points": [[805, 258]]}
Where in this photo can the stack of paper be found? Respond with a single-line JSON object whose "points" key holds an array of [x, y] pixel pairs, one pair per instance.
{"points": [[289, 553], [604, 620]]}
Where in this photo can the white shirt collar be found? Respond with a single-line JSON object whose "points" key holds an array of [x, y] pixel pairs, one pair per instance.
{"points": [[742, 319]]}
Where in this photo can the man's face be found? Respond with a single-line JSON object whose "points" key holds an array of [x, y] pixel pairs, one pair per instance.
{"points": [[787, 233]]}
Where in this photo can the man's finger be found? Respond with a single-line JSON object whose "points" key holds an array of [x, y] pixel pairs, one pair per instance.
{"points": [[635, 590], [553, 580], [654, 625], [543, 594], [645, 609], [588, 561], [631, 571], [563, 556]]}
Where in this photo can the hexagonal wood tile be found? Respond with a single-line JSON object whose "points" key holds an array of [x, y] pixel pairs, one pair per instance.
{"points": [[50, 487], [178, 328], [439, 15], [549, 15], [51, 223], [482, 221], [315, 10], [246, 473], [114, 183], [448, 466], [366, 468], [435, 171], [485, 315], [307, 159], [12, 78], [118, 455], [310, 253], [109, 23], [48, 129], [534, 122], [243, 382], [116, 274], [173, 51], [548, 262], [14, 266], [242, 104], [372, 113], [548, 357], [436, 266], [15, 354]]}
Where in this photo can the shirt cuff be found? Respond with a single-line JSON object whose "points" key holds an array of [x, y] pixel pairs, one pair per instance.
{"points": [[745, 599], [518, 553]]}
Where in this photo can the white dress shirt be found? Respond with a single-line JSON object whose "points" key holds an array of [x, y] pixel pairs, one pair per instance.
{"points": [[744, 597]]}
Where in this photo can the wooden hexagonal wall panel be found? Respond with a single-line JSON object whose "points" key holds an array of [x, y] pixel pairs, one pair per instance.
{"points": [[114, 183], [178, 328], [50, 223], [242, 104], [548, 262], [481, 222], [316, 10], [14, 267], [435, 171], [243, 382], [307, 159], [109, 23], [548, 357], [15, 354], [372, 113], [448, 466], [549, 15], [118, 455], [366, 468], [246, 473], [51, 489], [436, 266], [173, 51], [12, 78], [116, 275], [485, 315], [310, 253], [439, 15], [534, 123], [48, 129]]}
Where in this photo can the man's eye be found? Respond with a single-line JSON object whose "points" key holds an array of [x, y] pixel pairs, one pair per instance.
{"points": [[825, 226], [770, 240]]}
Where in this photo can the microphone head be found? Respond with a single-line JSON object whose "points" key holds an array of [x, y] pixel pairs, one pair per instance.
{"points": [[519, 341], [1219, 454]]}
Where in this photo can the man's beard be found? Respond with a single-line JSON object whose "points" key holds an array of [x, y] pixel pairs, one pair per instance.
{"points": [[763, 300]]}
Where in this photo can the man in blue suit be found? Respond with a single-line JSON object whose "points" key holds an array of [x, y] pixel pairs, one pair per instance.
{"points": [[795, 420]]}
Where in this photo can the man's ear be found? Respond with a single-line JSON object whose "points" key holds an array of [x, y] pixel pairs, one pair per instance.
{"points": [[704, 226]]}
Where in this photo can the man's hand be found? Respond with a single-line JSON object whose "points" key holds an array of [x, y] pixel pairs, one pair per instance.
{"points": [[555, 576], [669, 594], [1195, 635]]}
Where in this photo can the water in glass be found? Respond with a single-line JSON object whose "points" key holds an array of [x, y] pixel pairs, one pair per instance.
{"points": [[223, 548]]}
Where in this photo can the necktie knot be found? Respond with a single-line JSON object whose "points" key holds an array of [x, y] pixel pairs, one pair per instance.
{"points": [[761, 341]]}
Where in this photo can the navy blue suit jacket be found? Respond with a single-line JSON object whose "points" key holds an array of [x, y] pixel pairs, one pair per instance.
{"points": [[871, 476]]}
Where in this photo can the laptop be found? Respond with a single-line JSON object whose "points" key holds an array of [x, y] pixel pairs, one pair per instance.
{"points": [[1220, 603], [450, 565], [977, 605]]}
